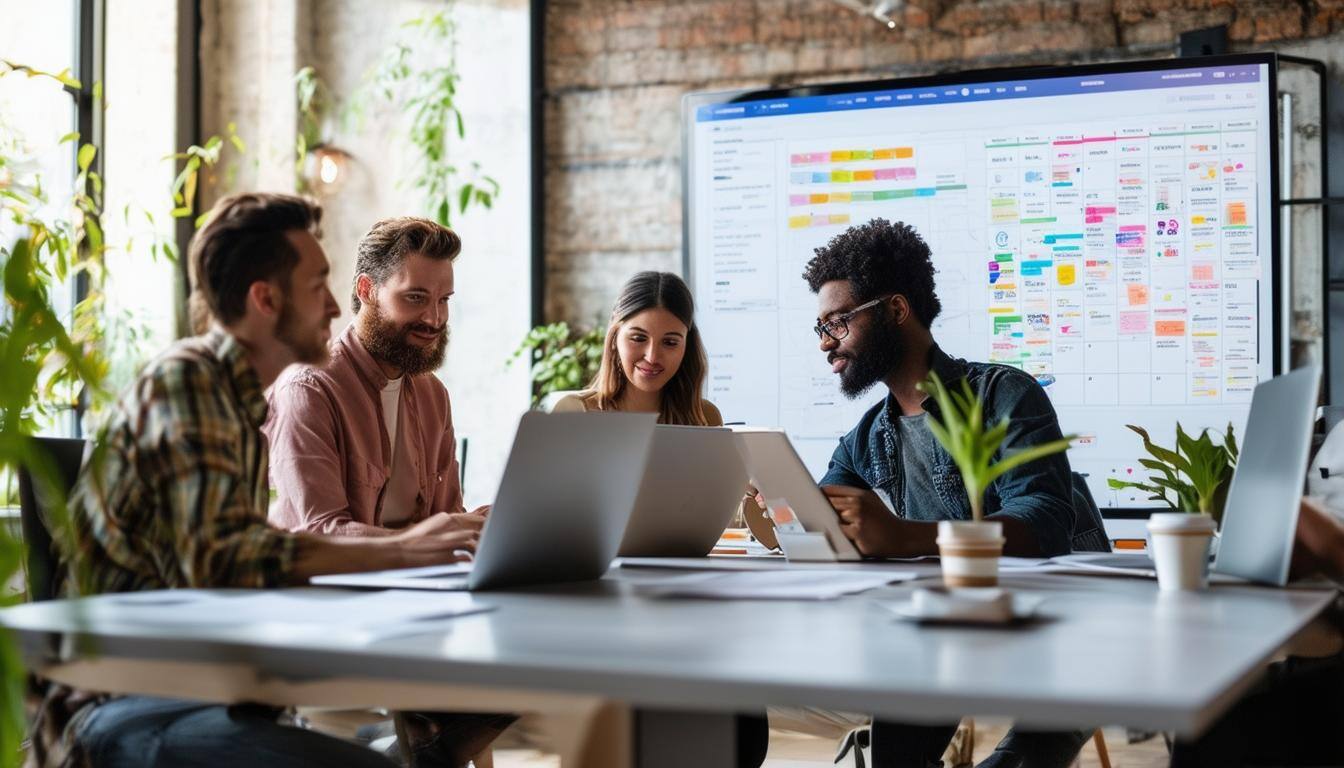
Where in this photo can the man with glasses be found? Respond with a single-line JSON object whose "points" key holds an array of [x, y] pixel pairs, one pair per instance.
{"points": [[889, 479]]}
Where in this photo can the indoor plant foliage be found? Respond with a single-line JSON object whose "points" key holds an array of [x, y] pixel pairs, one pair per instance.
{"points": [[56, 362], [1194, 477], [561, 359], [419, 77], [962, 432], [971, 549], [51, 362]]}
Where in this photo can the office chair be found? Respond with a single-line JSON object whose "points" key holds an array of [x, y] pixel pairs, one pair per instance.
{"points": [[34, 512]]}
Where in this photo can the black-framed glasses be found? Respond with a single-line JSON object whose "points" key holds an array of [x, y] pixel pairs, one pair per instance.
{"points": [[838, 327]]}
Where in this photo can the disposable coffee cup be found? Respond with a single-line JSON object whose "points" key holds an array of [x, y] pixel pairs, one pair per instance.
{"points": [[1181, 544], [969, 552]]}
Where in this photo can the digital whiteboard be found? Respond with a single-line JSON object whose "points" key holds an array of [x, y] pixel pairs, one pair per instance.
{"points": [[1110, 229]]}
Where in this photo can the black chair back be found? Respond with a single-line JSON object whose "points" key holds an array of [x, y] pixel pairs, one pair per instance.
{"points": [[67, 454], [1089, 530]]}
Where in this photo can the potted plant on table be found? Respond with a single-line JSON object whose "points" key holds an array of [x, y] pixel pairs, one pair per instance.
{"points": [[970, 549], [1192, 478]]}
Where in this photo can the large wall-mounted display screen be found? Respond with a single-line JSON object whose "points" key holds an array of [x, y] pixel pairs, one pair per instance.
{"points": [[1109, 230]]}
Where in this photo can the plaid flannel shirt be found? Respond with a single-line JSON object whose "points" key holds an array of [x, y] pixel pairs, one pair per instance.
{"points": [[176, 496]]}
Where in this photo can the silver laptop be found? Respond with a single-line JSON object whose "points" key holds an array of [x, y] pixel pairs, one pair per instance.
{"points": [[692, 487], [562, 507], [796, 503], [1260, 519]]}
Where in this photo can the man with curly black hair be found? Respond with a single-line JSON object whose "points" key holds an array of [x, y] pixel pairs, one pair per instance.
{"points": [[890, 481]]}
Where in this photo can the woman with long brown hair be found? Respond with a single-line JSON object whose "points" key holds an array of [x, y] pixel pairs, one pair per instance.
{"points": [[652, 358], [653, 361]]}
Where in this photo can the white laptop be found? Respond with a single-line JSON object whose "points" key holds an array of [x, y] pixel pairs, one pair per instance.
{"points": [[1260, 518], [562, 507], [805, 522], [692, 487]]}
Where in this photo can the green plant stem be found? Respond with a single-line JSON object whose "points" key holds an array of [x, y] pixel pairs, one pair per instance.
{"points": [[977, 504]]}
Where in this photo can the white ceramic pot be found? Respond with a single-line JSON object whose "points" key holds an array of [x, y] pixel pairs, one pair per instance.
{"points": [[969, 552]]}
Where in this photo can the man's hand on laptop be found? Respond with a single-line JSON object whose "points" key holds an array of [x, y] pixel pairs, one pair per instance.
{"points": [[466, 521], [866, 520], [438, 539]]}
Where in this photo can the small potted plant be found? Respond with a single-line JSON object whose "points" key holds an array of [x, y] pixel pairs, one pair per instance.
{"points": [[1193, 478], [970, 549]]}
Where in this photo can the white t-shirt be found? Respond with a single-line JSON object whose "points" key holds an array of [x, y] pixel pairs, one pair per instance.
{"points": [[392, 412], [401, 489]]}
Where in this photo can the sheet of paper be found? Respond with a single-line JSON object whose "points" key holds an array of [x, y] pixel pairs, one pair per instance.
{"points": [[773, 585], [315, 607], [770, 563]]}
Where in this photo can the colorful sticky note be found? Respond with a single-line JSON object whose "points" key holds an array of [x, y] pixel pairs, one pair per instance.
{"points": [[1138, 294], [1066, 274], [1133, 322]]}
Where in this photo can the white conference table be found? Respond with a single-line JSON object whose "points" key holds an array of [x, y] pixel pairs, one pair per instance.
{"points": [[1106, 651]]}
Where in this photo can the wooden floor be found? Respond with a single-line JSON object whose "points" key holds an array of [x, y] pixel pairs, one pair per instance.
{"points": [[791, 750]]}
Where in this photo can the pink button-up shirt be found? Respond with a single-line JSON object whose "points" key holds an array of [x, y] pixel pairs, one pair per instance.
{"points": [[330, 456]]}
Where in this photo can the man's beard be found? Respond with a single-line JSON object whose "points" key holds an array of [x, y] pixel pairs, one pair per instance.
{"points": [[388, 342], [306, 344], [875, 360]]}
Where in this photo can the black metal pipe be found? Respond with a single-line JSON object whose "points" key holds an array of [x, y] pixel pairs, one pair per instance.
{"points": [[537, 24]]}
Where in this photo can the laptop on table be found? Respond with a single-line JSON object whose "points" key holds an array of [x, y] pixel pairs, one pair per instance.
{"points": [[1260, 517], [692, 486], [563, 503]]}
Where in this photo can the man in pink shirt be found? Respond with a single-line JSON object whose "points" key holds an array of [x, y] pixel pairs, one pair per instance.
{"points": [[364, 446]]}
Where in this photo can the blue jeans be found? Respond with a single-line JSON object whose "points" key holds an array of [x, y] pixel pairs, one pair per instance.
{"points": [[159, 733], [897, 745]]}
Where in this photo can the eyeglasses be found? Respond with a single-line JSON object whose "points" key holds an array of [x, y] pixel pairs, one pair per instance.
{"points": [[838, 327]]}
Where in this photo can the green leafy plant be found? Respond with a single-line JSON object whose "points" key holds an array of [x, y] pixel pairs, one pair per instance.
{"points": [[206, 156], [960, 428], [561, 359], [1194, 477], [311, 98], [50, 362], [55, 362], [419, 77]]}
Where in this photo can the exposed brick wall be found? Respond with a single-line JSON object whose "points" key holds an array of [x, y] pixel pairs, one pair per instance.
{"points": [[616, 71]]}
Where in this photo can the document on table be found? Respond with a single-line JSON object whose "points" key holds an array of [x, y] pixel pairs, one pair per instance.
{"points": [[748, 563], [371, 613], [772, 585]]}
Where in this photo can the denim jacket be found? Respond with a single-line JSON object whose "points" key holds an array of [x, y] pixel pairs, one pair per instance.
{"points": [[1039, 493]]}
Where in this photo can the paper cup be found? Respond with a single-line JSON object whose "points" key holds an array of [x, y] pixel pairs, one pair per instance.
{"points": [[1180, 549], [969, 553]]}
